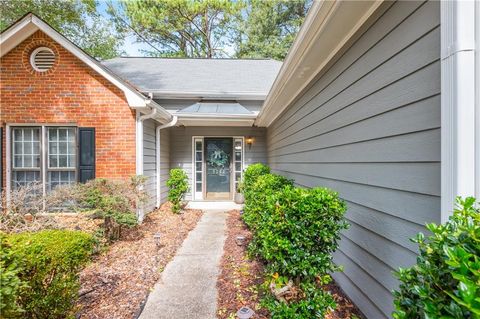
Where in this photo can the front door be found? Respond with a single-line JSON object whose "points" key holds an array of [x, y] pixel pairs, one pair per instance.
{"points": [[218, 159]]}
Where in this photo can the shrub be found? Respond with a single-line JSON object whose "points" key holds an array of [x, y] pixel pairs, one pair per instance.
{"points": [[178, 187], [299, 231], [25, 203], [314, 303], [445, 282], [49, 263], [250, 176], [259, 191], [116, 201], [10, 283]]}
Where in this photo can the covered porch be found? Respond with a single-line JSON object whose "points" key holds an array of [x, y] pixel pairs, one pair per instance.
{"points": [[214, 158]]}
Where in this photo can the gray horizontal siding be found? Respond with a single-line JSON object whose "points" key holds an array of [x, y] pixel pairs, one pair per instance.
{"points": [[181, 145], [369, 128], [150, 163]]}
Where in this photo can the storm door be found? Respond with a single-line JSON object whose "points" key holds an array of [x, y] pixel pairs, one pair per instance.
{"points": [[218, 168]]}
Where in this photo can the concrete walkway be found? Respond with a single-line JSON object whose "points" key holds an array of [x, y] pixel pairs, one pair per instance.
{"points": [[187, 288]]}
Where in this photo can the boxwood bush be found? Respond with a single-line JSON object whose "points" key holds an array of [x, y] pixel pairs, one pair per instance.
{"points": [[445, 282], [48, 263]]}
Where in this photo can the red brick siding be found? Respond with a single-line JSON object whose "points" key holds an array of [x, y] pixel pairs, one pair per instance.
{"points": [[71, 92]]}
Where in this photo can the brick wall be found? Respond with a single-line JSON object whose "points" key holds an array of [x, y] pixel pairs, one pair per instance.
{"points": [[70, 92]]}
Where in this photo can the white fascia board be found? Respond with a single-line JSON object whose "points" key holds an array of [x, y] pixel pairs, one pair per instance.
{"points": [[458, 87], [328, 28]]}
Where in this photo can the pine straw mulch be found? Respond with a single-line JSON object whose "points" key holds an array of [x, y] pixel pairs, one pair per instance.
{"points": [[116, 284], [240, 278]]}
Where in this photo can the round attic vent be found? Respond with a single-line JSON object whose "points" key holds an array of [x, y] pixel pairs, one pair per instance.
{"points": [[42, 59]]}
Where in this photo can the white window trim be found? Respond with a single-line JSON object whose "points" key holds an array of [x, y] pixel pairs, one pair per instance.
{"points": [[204, 178], [8, 151], [459, 101]]}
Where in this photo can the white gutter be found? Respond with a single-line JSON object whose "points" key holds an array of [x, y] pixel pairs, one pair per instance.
{"points": [[458, 86], [157, 141]]}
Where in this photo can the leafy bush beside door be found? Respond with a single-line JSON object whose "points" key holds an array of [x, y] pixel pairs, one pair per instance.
{"points": [[178, 187], [295, 231], [445, 282]]}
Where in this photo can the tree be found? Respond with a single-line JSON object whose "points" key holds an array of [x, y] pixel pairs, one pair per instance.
{"points": [[78, 20], [270, 27], [179, 28]]}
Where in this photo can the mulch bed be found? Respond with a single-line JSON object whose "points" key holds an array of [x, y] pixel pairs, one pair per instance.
{"points": [[116, 284], [240, 277]]}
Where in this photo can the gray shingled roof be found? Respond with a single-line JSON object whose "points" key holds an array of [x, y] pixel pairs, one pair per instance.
{"points": [[197, 77]]}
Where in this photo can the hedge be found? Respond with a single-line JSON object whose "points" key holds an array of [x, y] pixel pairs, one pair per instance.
{"points": [[295, 231], [45, 283]]}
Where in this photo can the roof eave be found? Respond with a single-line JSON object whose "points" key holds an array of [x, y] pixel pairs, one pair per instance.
{"points": [[329, 28]]}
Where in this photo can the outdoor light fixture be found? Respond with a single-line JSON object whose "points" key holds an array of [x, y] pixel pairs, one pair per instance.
{"points": [[249, 141], [245, 313], [240, 240], [157, 238]]}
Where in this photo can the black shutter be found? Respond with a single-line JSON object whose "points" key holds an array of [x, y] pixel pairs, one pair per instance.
{"points": [[86, 154]]}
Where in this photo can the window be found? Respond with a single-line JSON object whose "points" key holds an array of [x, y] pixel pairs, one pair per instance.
{"points": [[238, 160], [61, 156], [198, 167], [28, 156]]}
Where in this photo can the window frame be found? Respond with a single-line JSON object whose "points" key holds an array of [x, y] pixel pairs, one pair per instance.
{"points": [[10, 127], [13, 154]]}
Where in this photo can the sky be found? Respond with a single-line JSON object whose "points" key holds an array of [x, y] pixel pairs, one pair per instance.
{"points": [[130, 46]]}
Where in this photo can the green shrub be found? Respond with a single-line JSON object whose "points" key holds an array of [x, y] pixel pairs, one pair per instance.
{"points": [[251, 175], [49, 263], [178, 187], [299, 231], [116, 201], [445, 282], [295, 231], [314, 304], [259, 190], [10, 283]]}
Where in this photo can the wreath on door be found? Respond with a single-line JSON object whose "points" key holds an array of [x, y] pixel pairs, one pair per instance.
{"points": [[218, 159]]}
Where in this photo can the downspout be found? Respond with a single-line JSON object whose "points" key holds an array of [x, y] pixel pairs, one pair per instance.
{"points": [[139, 145], [157, 140]]}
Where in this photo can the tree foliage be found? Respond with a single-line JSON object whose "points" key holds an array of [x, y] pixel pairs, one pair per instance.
{"points": [[269, 27], [78, 20], [179, 28]]}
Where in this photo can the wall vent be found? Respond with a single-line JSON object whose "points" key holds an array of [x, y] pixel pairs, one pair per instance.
{"points": [[42, 59]]}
